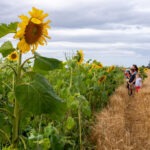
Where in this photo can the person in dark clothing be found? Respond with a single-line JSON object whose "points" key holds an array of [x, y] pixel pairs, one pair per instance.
{"points": [[132, 77], [131, 82]]}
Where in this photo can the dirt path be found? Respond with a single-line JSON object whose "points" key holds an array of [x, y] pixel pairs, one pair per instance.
{"points": [[125, 123]]}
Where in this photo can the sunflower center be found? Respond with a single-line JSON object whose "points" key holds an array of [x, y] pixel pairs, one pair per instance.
{"points": [[13, 56], [33, 31]]}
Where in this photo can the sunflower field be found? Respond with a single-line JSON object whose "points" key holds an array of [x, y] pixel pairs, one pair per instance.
{"points": [[47, 104]]}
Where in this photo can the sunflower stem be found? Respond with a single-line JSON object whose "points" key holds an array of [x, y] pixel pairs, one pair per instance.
{"points": [[23, 142], [70, 85], [15, 132], [5, 134], [80, 127], [10, 68], [26, 61], [5, 111]]}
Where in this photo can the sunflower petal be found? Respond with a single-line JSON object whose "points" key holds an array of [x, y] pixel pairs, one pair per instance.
{"points": [[36, 21], [23, 46]]}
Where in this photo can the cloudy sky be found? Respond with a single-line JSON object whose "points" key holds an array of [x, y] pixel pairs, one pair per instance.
{"points": [[111, 31]]}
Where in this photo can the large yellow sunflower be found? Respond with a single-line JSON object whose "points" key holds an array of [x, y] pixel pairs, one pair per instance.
{"points": [[13, 56], [33, 30]]}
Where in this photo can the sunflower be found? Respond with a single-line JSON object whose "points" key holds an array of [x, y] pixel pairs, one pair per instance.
{"points": [[97, 66], [145, 69], [110, 69], [94, 66], [33, 30], [100, 65], [80, 56], [13, 56], [101, 79]]}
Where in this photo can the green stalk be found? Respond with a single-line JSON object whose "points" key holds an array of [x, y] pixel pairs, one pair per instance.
{"points": [[23, 142], [26, 61], [5, 134], [5, 111], [79, 116], [13, 69], [70, 85], [39, 130], [15, 131], [80, 128]]}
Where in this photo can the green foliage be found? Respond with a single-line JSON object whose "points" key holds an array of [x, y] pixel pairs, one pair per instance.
{"points": [[34, 95], [6, 48], [142, 72], [38, 96], [78, 86], [70, 123], [80, 90], [43, 64], [50, 138], [27, 94], [6, 29]]}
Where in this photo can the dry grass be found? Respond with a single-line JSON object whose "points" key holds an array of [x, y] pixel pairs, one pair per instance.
{"points": [[125, 123]]}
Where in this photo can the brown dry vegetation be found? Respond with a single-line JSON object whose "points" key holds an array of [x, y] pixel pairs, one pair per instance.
{"points": [[125, 123]]}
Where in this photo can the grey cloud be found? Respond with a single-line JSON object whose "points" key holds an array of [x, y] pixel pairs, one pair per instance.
{"points": [[101, 15], [98, 14], [105, 37]]}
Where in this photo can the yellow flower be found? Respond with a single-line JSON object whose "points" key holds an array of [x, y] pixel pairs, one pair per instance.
{"points": [[101, 79], [97, 66], [94, 66], [100, 65], [33, 30], [80, 56], [110, 69], [145, 69], [13, 56]]}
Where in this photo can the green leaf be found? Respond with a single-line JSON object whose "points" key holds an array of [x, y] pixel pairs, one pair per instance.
{"points": [[6, 48], [4, 125], [6, 29], [38, 97], [86, 110], [48, 130], [44, 143], [70, 123], [57, 142], [42, 64]]}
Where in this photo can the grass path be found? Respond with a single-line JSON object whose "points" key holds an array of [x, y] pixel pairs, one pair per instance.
{"points": [[125, 123]]}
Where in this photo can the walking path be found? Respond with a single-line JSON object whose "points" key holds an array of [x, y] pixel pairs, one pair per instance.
{"points": [[125, 123]]}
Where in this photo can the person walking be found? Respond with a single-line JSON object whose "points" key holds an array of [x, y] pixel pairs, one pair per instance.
{"points": [[131, 82]]}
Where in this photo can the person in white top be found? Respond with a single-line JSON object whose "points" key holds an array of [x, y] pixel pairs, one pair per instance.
{"points": [[138, 82]]}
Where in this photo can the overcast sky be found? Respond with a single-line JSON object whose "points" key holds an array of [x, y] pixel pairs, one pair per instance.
{"points": [[111, 31]]}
